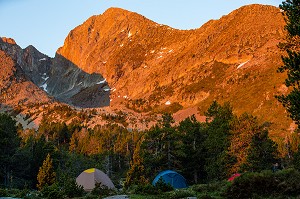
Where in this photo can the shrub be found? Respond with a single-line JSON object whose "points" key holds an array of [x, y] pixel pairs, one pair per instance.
{"points": [[265, 184], [52, 192], [102, 190], [72, 189], [162, 186], [212, 187], [180, 193], [23, 193], [3, 192], [146, 189]]}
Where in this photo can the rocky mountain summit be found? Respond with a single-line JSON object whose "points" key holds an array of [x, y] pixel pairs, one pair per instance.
{"points": [[153, 67]]}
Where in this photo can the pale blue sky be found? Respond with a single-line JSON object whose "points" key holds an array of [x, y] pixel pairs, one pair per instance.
{"points": [[46, 23]]}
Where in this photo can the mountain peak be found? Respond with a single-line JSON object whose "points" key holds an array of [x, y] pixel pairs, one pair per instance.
{"points": [[116, 10]]}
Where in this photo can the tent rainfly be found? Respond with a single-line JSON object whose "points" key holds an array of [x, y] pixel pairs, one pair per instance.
{"points": [[90, 177], [173, 178]]}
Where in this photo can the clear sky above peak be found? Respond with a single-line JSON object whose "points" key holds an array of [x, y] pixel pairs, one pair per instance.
{"points": [[46, 23]]}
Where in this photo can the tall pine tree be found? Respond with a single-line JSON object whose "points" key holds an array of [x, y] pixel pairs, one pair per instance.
{"points": [[218, 161], [9, 142], [291, 62]]}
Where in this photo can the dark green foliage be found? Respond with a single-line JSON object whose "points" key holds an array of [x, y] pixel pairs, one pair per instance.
{"points": [[291, 101], [192, 151], [265, 184], [160, 146], [217, 161], [55, 131], [72, 189], [147, 189], [262, 153], [102, 191], [211, 187], [162, 186], [296, 159], [180, 193], [30, 157], [292, 12], [292, 62], [9, 142], [3, 192], [52, 192]]}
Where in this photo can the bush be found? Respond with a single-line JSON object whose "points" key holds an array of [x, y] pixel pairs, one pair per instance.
{"points": [[52, 192], [146, 189], [180, 193], [23, 193], [212, 187], [102, 190], [3, 192], [162, 186], [265, 184], [72, 189]]}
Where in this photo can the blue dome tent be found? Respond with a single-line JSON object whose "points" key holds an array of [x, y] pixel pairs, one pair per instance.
{"points": [[171, 177]]}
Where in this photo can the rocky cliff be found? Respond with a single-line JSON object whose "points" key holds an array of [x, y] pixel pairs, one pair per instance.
{"points": [[153, 67]]}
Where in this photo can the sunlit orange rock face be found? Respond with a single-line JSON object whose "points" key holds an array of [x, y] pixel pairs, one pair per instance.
{"points": [[231, 59], [8, 40]]}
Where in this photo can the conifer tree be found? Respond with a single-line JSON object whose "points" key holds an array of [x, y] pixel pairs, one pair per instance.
{"points": [[262, 153], [136, 173], [217, 142], [291, 62], [9, 142], [46, 175]]}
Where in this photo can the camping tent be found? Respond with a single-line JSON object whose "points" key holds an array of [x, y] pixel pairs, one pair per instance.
{"points": [[90, 177], [171, 177]]}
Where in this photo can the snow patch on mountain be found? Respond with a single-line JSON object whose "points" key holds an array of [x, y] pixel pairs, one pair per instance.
{"points": [[44, 87], [101, 82], [242, 64]]}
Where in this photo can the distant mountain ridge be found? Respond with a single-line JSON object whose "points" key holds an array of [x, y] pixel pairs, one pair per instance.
{"points": [[150, 67]]}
